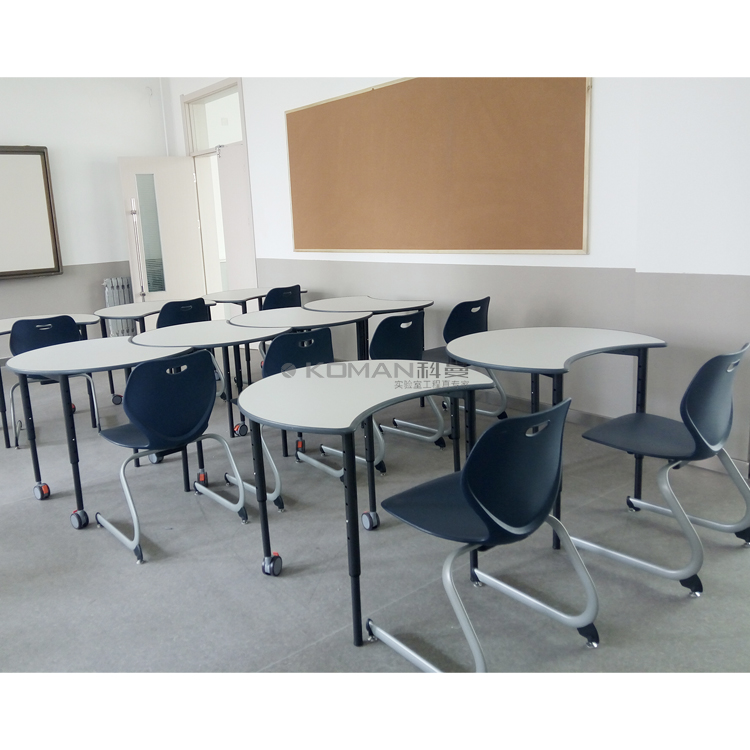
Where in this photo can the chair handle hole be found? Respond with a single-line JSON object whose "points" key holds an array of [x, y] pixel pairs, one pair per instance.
{"points": [[406, 325], [44, 327], [307, 342], [733, 366], [537, 428], [475, 309]]}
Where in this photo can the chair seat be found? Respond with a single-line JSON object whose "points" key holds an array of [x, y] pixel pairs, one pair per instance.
{"points": [[127, 436], [439, 508], [646, 435]]}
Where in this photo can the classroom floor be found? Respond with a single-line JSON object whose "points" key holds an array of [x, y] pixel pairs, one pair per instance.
{"points": [[75, 601]]}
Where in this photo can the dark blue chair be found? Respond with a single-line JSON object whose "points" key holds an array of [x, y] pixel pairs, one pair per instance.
{"points": [[283, 296], [169, 403], [297, 350], [37, 333], [706, 422], [184, 311], [465, 319], [504, 493], [402, 337]]}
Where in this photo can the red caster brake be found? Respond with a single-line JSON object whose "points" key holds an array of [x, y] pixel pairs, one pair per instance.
{"points": [[41, 491]]}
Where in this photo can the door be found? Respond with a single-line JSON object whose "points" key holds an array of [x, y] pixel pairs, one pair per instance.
{"points": [[237, 216], [161, 208]]}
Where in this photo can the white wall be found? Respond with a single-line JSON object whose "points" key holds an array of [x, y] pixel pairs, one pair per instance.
{"points": [[86, 123], [669, 182]]}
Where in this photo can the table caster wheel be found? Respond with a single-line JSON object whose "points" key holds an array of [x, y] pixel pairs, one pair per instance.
{"points": [[155, 458], [272, 566], [370, 521], [72, 408], [117, 399], [240, 430], [79, 519], [41, 491], [203, 478]]}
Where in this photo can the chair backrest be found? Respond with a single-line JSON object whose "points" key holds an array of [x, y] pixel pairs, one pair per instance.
{"points": [[399, 337], [512, 475], [706, 408], [170, 400], [283, 296], [26, 335], [184, 311], [298, 349], [466, 318]]}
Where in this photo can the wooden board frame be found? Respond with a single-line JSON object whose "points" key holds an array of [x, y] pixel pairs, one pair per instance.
{"points": [[444, 165], [29, 244]]}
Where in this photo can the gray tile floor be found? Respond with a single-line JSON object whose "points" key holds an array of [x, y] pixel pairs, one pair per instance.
{"points": [[76, 602]]}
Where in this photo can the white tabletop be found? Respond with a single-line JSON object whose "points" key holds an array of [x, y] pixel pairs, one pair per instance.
{"points": [[297, 318], [93, 355], [81, 319], [206, 334], [335, 398], [364, 303], [236, 296], [542, 350], [132, 310]]}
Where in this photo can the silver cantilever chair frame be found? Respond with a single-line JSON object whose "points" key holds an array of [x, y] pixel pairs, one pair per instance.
{"points": [[133, 543], [706, 412], [493, 499]]}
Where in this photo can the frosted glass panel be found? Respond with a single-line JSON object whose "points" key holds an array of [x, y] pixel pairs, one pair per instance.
{"points": [[152, 256]]}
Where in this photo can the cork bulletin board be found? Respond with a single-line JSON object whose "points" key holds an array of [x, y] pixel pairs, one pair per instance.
{"points": [[496, 165]]}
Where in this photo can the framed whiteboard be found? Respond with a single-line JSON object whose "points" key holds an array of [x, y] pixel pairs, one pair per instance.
{"points": [[29, 244]]}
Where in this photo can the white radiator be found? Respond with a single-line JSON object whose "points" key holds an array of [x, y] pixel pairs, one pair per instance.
{"points": [[118, 291]]}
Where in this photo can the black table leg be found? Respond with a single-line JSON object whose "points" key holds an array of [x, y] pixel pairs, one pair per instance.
{"points": [[370, 428], [105, 334], [456, 432], [261, 496], [3, 414], [363, 339], [352, 531], [238, 379], [23, 386], [557, 397], [228, 387], [70, 431], [243, 306], [640, 406]]}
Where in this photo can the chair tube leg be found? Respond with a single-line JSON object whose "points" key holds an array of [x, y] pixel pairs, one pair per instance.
{"points": [[730, 528], [687, 575], [582, 620], [239, 504], [134, 543], [463, 618], [274, 496]]}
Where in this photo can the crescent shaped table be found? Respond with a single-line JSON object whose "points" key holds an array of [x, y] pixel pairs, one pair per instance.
{"points": [[550, 351], [61, 361], [336, 398], [6, 325], [363, 303]]}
